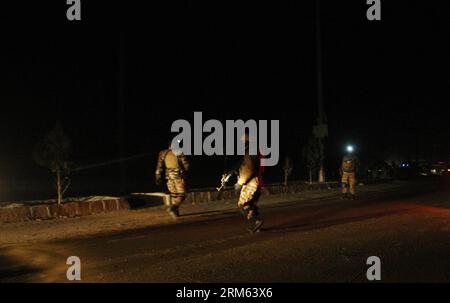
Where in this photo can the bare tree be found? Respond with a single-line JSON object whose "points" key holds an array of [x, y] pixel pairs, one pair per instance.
{"points": [[53, 152], [313, 153]]}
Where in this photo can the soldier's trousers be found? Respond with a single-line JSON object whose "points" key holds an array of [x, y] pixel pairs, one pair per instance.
{"points": [[348, 183], [248, 199], [176, 186]]}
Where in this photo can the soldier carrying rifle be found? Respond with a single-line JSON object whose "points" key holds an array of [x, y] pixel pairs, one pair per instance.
{"points": [[248, 185]]}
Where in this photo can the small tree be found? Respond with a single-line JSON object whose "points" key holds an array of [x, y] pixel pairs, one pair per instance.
{"points": [[287, 169], [53, 152], [313, 154]]}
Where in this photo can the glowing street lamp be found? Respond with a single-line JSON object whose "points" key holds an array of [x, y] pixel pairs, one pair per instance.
{"points": [[349, 148]]}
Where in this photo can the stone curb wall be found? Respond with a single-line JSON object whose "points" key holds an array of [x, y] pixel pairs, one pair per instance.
{"points": [[72, 209], [64, 210]]}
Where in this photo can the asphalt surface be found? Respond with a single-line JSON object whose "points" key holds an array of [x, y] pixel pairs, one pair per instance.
{"points": [[318, 241]]}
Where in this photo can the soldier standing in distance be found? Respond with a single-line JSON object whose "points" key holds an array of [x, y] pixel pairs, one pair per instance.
{"points": [[174, 164], [348, 172]]}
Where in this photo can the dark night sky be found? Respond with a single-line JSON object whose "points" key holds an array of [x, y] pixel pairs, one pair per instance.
{"points": [[386, 84]]}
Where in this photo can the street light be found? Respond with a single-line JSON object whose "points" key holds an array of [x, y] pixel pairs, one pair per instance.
{"points": [[350, 148]]}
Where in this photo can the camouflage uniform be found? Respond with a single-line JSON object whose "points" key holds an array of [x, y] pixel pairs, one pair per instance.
{"points": [[175, 167], [250, 180], [348, 172]]}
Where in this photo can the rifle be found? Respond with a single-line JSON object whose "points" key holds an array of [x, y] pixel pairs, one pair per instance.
{"points": [[224, 180], [227, 176]]}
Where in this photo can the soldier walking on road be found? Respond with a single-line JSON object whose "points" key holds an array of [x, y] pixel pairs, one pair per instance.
{"points": [[248, 186], [174, 164]]}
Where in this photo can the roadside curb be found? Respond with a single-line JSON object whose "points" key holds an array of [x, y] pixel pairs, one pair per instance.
{"points": [[64, 210], [48, 211]]}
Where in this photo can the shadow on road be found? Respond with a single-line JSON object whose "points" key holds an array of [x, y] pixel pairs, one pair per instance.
{"points": [[316, 222], [13, 271]]}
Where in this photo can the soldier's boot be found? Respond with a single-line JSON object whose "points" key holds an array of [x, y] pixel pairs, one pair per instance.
{"points": [[174, 211], [344, 196], [257, 225], [255, 221], [353, 197]]}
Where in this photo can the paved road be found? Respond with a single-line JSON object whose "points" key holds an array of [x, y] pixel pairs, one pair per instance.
{"points": [[321, 241]]}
